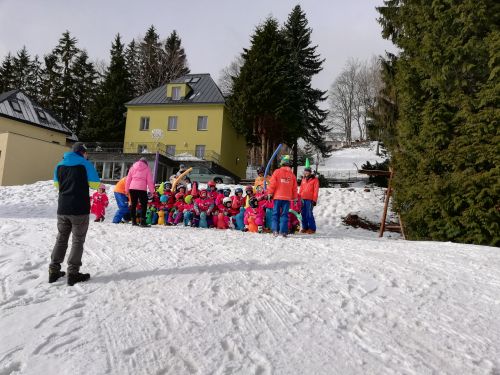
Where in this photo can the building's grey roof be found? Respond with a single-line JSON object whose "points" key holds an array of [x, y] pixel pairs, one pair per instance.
{"points": [[204, 91], [30, 112]]}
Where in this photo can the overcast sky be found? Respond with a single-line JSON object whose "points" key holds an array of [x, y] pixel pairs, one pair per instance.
{"points": [[213, 32]]}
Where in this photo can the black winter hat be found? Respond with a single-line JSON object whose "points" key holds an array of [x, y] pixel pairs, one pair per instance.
{"points": [[80, 148]]}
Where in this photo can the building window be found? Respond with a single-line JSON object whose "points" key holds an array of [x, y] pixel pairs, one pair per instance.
{"points": [[176, 93], [200, 151], [172, 123], [99, 167], [202, 123], [142, 149], [15, 106], [171, 150], [144, 125], [41, 115]]}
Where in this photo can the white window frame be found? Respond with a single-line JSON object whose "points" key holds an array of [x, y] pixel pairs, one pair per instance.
{"points": [[176, 93], [197, 152], [202, 124], [144, 124], [142, 149], [172, 123]]}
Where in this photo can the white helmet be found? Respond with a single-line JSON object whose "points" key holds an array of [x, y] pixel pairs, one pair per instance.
{"points": [[226, 200]]}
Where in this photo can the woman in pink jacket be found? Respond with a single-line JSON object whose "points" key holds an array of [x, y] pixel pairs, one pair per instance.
{"points": [[139, 180]]}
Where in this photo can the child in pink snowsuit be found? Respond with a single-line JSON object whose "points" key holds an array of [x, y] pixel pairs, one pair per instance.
{"points": [[254, 213], [293, 221], [176, 214], [99, 201]]}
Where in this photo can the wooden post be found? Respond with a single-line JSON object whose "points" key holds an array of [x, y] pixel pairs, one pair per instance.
{"points": [[386, 204]]}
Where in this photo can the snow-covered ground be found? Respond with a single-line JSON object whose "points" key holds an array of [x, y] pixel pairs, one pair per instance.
{"points": [[175, 300]]}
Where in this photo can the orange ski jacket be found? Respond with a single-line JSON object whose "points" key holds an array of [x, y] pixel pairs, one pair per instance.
{"points": [[309, 188], [283, 184]]}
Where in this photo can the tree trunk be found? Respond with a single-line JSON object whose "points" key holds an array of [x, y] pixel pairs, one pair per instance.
{"points": [[295, 157]]}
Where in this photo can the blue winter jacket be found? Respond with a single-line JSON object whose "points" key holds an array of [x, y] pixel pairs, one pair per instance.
{"points": [[73, 176]]}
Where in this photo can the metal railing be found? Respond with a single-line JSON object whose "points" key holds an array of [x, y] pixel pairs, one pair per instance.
{"points": [[151, 148]]}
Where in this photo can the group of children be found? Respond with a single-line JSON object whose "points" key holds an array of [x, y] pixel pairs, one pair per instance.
{"points": [[249, 209], [245, 209]]}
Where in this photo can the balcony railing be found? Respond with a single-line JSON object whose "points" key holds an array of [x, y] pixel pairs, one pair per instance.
{"points": [[153, 147]]}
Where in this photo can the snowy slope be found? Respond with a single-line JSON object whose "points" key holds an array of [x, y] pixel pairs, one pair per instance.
{"points": [[191, 301]]}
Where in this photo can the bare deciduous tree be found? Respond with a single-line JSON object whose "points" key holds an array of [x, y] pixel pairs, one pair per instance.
{"points": [[226, 75], [352, 96]]}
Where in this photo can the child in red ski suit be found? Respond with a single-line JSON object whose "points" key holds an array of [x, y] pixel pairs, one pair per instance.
{"points": [[203, 204], [176, 213], [222, 219], [99, 201], [238, 201]]}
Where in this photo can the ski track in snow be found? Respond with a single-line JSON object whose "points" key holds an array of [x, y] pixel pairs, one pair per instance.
{"points": [[175, 300]]}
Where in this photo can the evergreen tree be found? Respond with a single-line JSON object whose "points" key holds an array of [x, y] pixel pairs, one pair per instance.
{"points": [[107, 121], [84, 87], [21, 71], [34, 83], [50, 81], [151, 57], [132, 62], [259, 105], [308, 120], [63, 101], [7, 74], [446, 161], [175, 58]]}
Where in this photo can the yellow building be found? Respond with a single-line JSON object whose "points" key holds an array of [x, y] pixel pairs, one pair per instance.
{"points": [[32, 141], [185, 118]]}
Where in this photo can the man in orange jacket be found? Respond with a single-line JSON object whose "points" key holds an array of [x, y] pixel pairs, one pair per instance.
{"points": [[283, 189], [309, 188]]}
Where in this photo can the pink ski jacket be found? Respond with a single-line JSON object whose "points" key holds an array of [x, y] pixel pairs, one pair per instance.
{"points": [[139, 177]]}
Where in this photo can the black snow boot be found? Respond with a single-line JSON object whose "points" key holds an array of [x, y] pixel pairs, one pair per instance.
{"points": [[78, 277], [54, 275], [144, 224]]}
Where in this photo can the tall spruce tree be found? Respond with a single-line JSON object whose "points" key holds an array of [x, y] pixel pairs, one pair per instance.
{"points": [[7, 74], [151, 57], [50, 81], [132, 62], [175, 58], [308, 121], [84, 78], [63, 101], [106, 121], [22, 69], [447, 162], [259, 105]]}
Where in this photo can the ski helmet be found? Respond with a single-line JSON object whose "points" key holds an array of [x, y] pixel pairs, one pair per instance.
{"points": [[260, 170], [226, 200], [226, 192], [167, 185], [211, 183], [285, 160], [253, 202], [249, 188], [203, 193], [163, 199], [188, 199], [238, 190]]}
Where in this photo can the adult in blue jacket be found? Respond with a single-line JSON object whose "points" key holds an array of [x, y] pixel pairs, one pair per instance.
{"points": [[72, 176]]}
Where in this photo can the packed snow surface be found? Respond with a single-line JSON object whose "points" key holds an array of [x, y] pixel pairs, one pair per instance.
{"points": [[175, 300]]}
